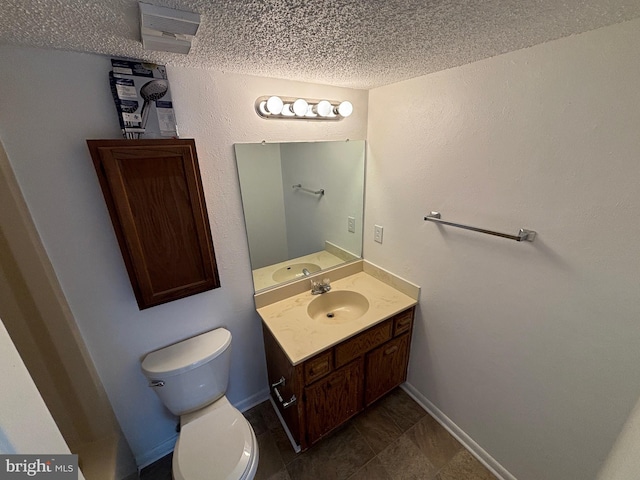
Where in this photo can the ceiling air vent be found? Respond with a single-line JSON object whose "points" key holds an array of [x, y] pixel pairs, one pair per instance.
{"points": [[167, 30]]}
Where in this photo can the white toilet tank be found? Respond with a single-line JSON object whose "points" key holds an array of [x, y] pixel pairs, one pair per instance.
{"points": [[190, 374]]}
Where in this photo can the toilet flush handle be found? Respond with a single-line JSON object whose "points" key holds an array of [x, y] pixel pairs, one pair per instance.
{"points": [[156, 383]]}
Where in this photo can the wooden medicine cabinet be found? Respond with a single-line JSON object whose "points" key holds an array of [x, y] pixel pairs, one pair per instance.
{"points": [[154, 195]]}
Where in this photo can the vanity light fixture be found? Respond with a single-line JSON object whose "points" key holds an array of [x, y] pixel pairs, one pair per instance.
{"points": [[302, 109]]}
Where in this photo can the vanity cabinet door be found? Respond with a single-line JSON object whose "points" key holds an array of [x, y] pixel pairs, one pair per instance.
{"points": [[155, 199], [333, 400], [386, 368]]}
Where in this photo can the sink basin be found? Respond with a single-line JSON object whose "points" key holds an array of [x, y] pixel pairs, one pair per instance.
{"points": [[293, 271], [339, 306]]}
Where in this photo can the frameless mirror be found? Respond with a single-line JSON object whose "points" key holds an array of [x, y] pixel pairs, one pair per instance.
{"points": [[303, 206]]}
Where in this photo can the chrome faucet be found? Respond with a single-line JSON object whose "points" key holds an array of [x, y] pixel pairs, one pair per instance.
{"points": [[306, 272], [318, 288]]}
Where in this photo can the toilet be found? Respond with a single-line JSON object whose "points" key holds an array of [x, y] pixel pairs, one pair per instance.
{"points": [[216, 442]]}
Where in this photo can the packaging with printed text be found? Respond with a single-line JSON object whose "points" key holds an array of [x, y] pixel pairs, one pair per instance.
{"points": [[143, 99]]}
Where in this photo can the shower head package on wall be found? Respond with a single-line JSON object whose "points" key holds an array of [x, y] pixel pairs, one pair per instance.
{"points": [[143, 99]]}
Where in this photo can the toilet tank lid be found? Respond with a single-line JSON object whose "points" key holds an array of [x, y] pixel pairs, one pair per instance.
{"points": [[187, 354]]}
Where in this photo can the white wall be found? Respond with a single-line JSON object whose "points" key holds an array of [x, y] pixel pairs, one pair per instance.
{"points": [[37, 317], [623, 462], [531, 349], [336, 167], [260, 173], [283, 222], [26, 426], [52, 102]]}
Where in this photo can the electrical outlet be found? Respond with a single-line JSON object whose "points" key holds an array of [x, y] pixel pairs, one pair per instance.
{"points": [[352, 224], [377, 233]]}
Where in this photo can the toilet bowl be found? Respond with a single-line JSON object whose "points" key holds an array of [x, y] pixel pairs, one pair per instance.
{"points": [[216, 442]]}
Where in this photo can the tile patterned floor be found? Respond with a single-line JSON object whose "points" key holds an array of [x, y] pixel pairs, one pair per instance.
{"points": [[393, 439]]}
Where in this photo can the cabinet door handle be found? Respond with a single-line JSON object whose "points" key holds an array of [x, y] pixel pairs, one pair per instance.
{"points": [[391, 350]]}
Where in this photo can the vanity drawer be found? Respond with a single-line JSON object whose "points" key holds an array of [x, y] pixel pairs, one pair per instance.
{"points": [[402, 322], [318, 367], [361, 344]]}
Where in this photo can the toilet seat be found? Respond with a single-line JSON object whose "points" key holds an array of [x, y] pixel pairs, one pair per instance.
{"points": [[218, 444]]}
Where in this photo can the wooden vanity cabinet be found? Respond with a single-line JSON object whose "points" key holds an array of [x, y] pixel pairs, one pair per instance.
{"points": [[386, 368], [333, 400], [320, 394], [155, 199], [386, 365]]}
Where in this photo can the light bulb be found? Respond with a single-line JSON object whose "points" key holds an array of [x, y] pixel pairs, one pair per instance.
{"points": [[287, 110], [323, 108], [300, 107], [274, 105], [345, 109]]}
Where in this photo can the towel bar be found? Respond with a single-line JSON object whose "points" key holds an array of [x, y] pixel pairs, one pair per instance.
{"points": [[523, 235], [315, 192]]}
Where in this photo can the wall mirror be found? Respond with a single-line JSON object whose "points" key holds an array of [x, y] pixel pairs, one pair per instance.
{"points": [[303, 206]]}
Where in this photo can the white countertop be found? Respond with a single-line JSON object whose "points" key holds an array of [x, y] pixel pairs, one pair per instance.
{"points": [[263, 277], [301, 337]]}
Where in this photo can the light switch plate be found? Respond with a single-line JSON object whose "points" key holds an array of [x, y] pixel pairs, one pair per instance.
{"points": [[352, 224], [377, 233]]}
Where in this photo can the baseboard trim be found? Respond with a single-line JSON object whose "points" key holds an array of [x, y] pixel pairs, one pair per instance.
{"points": [[165, 448], [476, 450], [253, 400]]}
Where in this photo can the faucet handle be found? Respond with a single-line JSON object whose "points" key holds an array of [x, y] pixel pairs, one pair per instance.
{"points": [[320, 287]]}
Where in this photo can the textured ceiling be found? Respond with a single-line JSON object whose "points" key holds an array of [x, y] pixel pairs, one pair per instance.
{"points": [[358, 44]]}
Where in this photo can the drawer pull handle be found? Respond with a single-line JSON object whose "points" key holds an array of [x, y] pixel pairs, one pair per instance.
{"points": [[391, 350], [323, 367], [284, 404]]}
